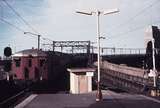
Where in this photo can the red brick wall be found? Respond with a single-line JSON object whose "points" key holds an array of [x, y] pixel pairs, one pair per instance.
{"points": [[24, 63]]}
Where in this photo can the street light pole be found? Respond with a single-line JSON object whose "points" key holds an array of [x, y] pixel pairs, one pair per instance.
{"points": [[154, 64], [39, 36], [98, 13], [99, 93], [39, 41]]}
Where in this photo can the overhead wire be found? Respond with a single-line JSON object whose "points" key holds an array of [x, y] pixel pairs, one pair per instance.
{"points": [[132, 30], [14, 26], [19, 15], [1, 11], [24, 20], [136, 15], [129, 31]]}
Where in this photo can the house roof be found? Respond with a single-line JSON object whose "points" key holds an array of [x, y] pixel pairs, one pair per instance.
{"points": [[29, 52]]}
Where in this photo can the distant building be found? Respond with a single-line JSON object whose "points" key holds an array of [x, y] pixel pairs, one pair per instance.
{"points": [[152, 32], [30, 64]]}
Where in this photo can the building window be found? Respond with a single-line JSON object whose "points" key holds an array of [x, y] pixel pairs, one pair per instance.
{"points": [[42, 62], [17, 62], [26, 73], [30, 62], [36, 73]]}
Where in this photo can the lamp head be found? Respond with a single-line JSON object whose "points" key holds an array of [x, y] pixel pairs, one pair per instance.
{"points": [[111, 11], [85, 13]]}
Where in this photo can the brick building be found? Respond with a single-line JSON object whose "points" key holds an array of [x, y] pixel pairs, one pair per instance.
{"points": [[30, 64]]}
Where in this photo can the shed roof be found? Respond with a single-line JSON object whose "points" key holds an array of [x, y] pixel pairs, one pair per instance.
{"points": [[81, 70]]}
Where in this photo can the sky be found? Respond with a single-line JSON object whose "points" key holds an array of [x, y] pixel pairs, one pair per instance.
{"points": [[58, 20]]}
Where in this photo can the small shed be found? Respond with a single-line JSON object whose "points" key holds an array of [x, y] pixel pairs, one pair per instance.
{"points": [[81, 80]]}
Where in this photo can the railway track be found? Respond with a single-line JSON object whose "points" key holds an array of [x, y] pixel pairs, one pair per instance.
{"points": [[15, 99]]}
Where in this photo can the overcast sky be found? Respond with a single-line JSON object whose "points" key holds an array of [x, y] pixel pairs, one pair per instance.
{"points": [[57, 20]]}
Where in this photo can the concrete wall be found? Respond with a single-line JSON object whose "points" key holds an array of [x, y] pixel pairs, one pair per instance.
{"points": [[127, 78], [123, 69]]}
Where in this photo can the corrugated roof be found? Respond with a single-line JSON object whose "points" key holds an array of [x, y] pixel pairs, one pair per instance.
{"points": [[29, 52]]}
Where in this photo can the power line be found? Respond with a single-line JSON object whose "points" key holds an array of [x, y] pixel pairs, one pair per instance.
{"points": [[129, 31], [46, 39], [1, 11], [14, 26], [136, 15], [124, 34], [23, 19], [19, 15]]}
